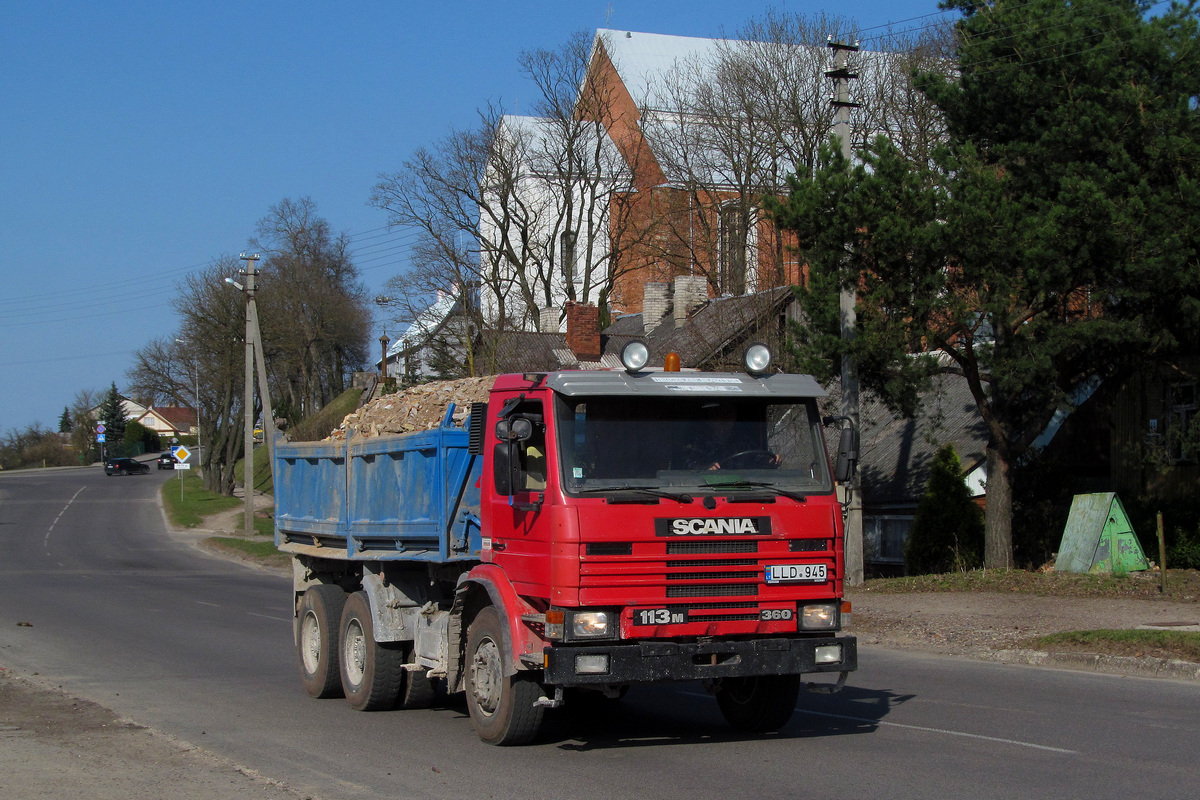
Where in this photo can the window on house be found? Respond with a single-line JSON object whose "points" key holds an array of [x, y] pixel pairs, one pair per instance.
{"points": [[884, 538], [567, 255], [731, 277], [1182, 403]]}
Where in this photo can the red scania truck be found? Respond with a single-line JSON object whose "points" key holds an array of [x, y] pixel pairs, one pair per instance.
{"points": [[586, 530]]}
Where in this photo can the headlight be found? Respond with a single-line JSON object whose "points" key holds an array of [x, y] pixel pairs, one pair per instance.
{"points": [[819, 617], [635, 355], [757, 359], [591, 625], [565, 625]]}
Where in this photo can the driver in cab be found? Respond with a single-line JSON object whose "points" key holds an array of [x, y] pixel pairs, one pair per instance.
{"points": [[724, 442]]}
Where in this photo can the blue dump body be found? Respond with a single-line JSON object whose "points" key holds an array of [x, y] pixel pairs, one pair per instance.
{"points": [[411, 497]]}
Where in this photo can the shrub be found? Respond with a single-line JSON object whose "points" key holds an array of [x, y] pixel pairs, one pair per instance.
{"points": [[947, 533]]}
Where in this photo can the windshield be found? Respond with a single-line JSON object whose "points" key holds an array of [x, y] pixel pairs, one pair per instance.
{"points": [[697, 444]]}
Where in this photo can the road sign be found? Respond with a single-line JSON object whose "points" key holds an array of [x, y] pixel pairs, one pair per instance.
{"points": [[181, 453], [99, 437], [101, 429], [182, 465]]}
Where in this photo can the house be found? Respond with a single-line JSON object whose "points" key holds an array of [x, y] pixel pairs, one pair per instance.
{"points": [[169, 421], [657, 173], [896, 455], [414, 355]]}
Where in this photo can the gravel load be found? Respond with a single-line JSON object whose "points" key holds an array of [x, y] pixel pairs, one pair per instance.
{"points": [[419, 408]]}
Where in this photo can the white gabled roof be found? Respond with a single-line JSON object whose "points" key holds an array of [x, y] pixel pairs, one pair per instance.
{"points": [[642, 59], [425, 325]]}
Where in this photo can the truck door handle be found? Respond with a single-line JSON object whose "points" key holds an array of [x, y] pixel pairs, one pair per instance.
{"points": [[498, 545]]}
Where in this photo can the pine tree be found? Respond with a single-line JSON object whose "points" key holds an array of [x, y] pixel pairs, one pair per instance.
{"points": [[1051, 244], [112, 414], [947, 533]]}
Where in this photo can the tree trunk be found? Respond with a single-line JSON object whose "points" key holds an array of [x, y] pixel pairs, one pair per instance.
{"points": [[997, 526]]}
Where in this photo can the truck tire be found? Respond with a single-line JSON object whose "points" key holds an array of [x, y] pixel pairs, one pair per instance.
{"points": [[501, 706], [372, 674], [758, 704], [417, 690], [317, 621]]}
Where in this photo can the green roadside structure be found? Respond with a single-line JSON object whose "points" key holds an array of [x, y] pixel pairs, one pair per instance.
{"points": [[1099, 537]]}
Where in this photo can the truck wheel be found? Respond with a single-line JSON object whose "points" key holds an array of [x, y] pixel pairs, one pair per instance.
{"points": [[759, 704], [371, 673], [501, 706], [417, 689], [317, 622]]}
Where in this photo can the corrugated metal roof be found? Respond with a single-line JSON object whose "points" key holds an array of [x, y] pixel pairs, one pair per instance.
{"points": [[896, 454]]}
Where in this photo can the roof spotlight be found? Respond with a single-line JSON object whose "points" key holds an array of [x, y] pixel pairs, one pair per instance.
{"points": [[757, 359], [635, 355]]}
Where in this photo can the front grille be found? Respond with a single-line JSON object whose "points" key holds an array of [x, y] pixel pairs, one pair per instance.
{"points": [[710, 576], [712, 562], [697, 548], [714, 590]]}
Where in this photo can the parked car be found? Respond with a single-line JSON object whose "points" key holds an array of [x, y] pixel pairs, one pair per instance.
{"points": [[125, 466], [166, 461]]}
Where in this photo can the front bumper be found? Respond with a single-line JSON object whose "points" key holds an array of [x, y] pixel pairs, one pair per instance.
{"points": [[650, 661]]}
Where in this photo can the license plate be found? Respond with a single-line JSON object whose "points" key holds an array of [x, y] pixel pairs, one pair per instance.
{"points": [[795, 573], [659, 616]]}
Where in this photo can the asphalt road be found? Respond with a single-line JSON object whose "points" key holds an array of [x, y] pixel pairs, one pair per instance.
{"points": [[98, 597]]}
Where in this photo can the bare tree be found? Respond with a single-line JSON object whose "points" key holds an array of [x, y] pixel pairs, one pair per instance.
{"points": [[313, 310], [731, 123], [521, 213]]}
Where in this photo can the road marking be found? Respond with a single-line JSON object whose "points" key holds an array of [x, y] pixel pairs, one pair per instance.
{"points": [[268, 616], [211, 605], [942, 731], [46, 540]]}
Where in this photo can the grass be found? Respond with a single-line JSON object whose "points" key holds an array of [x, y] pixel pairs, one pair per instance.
{"points": [[321, 424], [259, 551], [1181, 645], [1183, 585], [197, 501]]}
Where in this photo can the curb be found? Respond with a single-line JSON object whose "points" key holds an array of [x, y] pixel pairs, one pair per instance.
{"points": [[1095, 662]]}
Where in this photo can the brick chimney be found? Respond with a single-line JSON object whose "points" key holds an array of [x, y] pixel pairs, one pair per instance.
{"points": [[550, 320], [656, 302], [691, 292], [583, 331]]}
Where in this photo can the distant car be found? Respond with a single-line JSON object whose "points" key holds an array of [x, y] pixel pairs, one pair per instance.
{"points": [[125, 466], [166, 461]]}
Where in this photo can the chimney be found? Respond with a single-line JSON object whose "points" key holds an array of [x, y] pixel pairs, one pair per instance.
{"points": [[656, 302], [583, 331], [550, 320], [691, 292]]}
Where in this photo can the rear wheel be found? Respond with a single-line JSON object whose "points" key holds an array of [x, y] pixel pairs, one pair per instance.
{"points": [[417, 690], [759, 704], [317, 622], [501, 706], [372, 674]]}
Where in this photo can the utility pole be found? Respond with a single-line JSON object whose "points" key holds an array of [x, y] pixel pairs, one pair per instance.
{"points": [[250, 272], [841, 76]]}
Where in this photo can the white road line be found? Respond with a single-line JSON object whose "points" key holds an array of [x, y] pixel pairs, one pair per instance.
{"points": [[268, 616], [46, 540], [211, 605], [943, 731]]}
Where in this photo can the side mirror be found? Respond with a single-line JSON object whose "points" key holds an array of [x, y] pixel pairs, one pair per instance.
{"points": [[506, 468], [516, 429], [847, 457]]}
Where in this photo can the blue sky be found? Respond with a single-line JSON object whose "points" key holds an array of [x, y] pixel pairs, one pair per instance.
{"points": [[139, 141]]}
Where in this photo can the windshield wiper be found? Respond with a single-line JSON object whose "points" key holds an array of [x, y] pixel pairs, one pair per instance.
{"points": [[677, 496], [741, 484]]}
